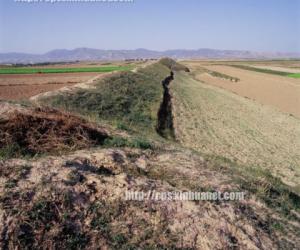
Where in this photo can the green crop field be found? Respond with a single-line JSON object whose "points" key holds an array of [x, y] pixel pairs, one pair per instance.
{"points": [[295, 75], [31, 70]]}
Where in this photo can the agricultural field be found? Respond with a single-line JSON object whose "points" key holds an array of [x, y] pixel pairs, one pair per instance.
{"points": [[297, 75], [17, 83], [270, 70], [262, 85], [283, 68], [34, 70]]}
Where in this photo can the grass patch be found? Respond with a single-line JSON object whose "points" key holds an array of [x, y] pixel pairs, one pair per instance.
{"points": [[271, 190], [108, 219], [124, 142], [223, 76], [294, 75], [11, 150], [261, 183], [32, 70]]}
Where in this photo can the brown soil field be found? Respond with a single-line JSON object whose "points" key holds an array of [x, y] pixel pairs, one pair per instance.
{"points": [[291, 64], [278, 91], [23, 86], [278, 68], [19, 92], [31, 79]]}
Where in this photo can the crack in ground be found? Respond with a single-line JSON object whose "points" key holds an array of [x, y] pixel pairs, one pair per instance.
{"points": [[165, 127]]}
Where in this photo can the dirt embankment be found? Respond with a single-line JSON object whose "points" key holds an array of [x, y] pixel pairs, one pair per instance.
{"points": [[164, 117]]}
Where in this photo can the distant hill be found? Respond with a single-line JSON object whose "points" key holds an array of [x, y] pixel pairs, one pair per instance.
{"points": [[88, 54]]}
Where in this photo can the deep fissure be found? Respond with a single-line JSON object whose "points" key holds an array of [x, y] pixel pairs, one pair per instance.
{"points": [[165, 126]]}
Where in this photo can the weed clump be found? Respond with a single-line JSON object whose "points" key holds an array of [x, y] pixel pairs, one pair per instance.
{"points": [[131, 143]]}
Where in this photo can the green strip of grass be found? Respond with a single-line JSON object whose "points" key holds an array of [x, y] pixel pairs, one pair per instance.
{"points": [[29, 70], [294, 75]]}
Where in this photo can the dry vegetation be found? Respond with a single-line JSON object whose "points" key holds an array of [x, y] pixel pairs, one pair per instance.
{"points": [[228, 125], [45, 130], [77, 201]]}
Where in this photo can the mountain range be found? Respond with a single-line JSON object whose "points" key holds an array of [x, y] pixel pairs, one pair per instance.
{"points": [[89, 54]]}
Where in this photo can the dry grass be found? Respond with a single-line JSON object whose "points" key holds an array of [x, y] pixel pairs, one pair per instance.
{"points": [[45, 130], [215, 121], [78, 202]]}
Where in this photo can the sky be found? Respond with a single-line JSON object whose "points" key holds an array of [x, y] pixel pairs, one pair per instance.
{"points": [[256, 25]]}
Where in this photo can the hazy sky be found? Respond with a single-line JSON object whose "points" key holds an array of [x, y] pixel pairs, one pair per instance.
{"points": [[258, 25]]}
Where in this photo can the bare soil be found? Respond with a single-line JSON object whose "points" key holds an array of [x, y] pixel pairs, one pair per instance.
{"points": [[277, 91], [278, 68], [17, 87], [24, 79]]}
